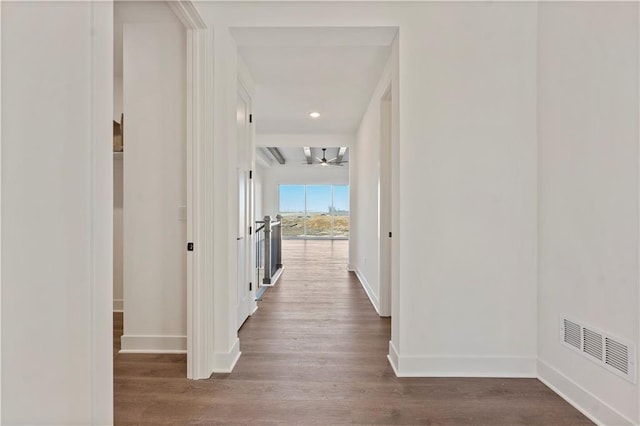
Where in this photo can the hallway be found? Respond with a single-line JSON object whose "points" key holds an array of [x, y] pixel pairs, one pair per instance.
{"points": [[315, 352]]}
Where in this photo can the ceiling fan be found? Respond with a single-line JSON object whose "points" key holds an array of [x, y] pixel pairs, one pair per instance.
{"points": [[324, 162]]}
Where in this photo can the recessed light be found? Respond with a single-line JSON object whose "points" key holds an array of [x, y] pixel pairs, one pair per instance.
{"points": [[314, 114]]}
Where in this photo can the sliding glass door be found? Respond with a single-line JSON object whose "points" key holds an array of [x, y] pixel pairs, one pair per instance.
{"points": [[292, 209], [341, 211], [314, 211]]}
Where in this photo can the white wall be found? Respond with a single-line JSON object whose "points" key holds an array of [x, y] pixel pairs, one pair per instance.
{"points": [[468, 184], [117, 98], [467, 178], [258, 188], [126, 13], [588, 195], [56, 186], [118, 234], [118, 252], [154, 187]]}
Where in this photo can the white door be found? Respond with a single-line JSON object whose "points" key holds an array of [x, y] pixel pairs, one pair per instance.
{"points": [[245, 301]]}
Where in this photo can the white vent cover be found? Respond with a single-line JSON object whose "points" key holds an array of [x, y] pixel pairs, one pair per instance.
{"points": [[612, 353]]}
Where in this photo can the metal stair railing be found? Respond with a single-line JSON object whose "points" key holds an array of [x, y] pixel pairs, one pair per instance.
{"points": [[269, 250]]}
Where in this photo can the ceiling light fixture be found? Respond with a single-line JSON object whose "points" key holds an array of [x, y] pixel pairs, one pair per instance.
{"points": [[314, 114]]}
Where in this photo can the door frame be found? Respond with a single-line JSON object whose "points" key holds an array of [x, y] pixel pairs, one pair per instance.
{"points": [[385, 203], [199, 90]]}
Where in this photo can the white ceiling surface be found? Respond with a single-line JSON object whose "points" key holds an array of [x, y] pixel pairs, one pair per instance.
{"points": [[294, 156], [300, 140], [299, 70]]}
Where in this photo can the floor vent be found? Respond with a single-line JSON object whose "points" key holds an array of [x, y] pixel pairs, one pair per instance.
{"points": [[616, 355]]}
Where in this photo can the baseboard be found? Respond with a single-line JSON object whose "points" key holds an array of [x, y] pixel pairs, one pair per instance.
{"points": [[223, 362], [118, 305], [367, 289], [598, 411], [140, 344], [260, 293], [435, 366], [393, 357]]}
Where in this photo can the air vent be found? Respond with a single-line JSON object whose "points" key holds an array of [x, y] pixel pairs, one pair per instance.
{"points": [[614, 354], [572, 333], [592, 343]]}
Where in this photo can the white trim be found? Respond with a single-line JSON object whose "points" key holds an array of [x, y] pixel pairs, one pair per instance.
{"points": [[465, 366], [225, 361], [142, 344], [101, 211], [393, 358], [187, 13], [118, 305], [1, 215], [637, 360], [199, 189], [367, 289], [599, 411]]}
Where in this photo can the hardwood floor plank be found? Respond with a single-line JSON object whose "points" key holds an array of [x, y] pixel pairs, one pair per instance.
{"points": [[315, 353]]}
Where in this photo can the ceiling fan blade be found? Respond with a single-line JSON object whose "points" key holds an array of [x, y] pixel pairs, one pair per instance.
{"points": [[319, 159], [333, 159]]}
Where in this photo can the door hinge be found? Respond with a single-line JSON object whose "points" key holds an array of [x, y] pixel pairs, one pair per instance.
{"points": [[250, 286], [189, 246], [250, 118], [250, 174], [389, 234], [250, 230]]}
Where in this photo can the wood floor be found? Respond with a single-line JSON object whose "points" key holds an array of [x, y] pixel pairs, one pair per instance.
{"points": [[315, 353]]}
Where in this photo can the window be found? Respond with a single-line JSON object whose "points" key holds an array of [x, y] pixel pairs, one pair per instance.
{"points": [[314, 211]]}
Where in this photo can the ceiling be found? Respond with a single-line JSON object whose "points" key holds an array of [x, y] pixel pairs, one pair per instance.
{"points": [[295, 156], [299, 70]]}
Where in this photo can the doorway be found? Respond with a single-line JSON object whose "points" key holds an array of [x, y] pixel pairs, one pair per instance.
{"points": [[323, 108], [162, 176]]}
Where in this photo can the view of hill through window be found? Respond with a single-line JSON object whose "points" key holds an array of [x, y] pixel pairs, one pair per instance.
{"points": [[314, 211]]}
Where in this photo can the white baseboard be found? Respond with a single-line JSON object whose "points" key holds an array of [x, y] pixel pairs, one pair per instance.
{"points": [[436, 366], [118, 305], [367, 289], [598, 411], [393, 357], [223, 362], [140, 344]]}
